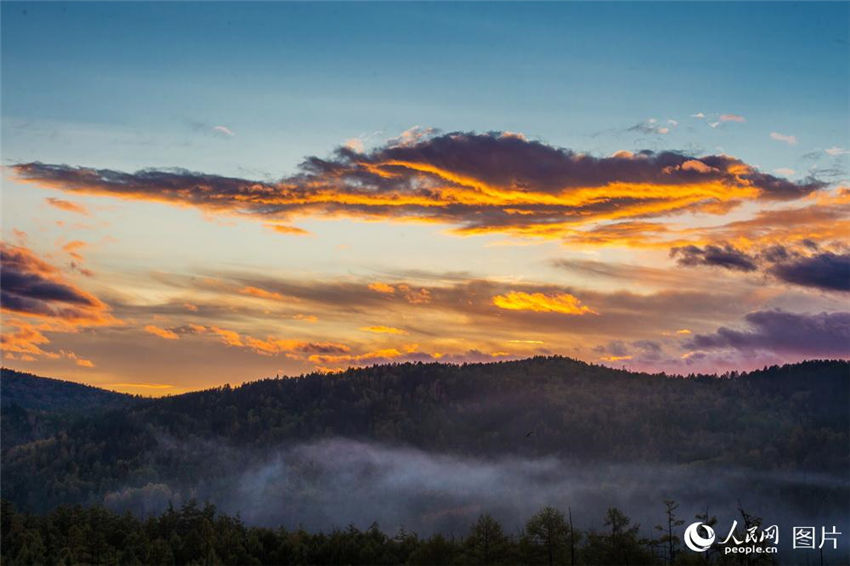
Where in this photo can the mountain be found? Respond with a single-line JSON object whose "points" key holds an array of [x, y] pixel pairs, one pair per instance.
{"points": [[33, 408], [29, 391], [791, 419]]}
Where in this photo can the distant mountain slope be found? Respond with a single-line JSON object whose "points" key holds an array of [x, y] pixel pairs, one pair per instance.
{"points": [[789, 418], [29, 391], [33, 408]]}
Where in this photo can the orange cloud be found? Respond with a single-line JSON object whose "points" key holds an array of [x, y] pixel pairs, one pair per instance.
{"points": [[477, 183], [384, 354], [383, 329], [77, 359], [414, 296], [562, 303], [71, 248], [25, 339], [37, 300], [161, 332], [628, 234], [67, 206], [261, 293], [271, 345], [382, 288], [828, 218], [229, 337], [411, 295], [615, 358], [289, 230], [33, 288]]}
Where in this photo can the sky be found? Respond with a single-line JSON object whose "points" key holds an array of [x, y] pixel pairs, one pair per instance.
{"points": [[200, 194]]}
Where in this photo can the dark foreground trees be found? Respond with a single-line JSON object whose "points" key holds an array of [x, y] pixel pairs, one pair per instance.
{"points": [[200, 535]]}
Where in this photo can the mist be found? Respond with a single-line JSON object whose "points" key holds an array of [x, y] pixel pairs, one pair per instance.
{"points": [[339, 482]]}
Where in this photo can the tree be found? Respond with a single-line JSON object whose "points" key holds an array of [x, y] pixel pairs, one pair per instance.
{"points": [[549, 532], [709, 520], [668, 537], [752, 521], [619, 545], [486, 543], [32, 549], [572, 538]]}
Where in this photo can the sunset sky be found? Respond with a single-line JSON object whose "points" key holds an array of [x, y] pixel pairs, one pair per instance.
{"points": [[197, 194]]}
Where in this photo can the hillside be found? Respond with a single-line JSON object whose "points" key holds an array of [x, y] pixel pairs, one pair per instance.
{"points": [[29, 391], [791, 418], [38, 407]]}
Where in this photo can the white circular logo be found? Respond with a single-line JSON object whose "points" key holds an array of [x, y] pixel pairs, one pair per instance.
{"points": [[695, 541]]}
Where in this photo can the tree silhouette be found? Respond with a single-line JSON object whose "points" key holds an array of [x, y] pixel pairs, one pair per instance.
{"points": [[672, 541], [548, 531], [487, 543]]}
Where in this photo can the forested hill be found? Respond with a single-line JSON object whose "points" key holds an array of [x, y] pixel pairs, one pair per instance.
{"points": [[535, 406], [29, 391], [793, 417], [36, 407]]}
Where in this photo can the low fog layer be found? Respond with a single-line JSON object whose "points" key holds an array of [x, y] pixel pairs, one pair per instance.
{"points": [[334, 483]]}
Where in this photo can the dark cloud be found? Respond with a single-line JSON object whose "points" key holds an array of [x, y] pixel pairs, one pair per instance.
{"points": [[777, 253], [477, 182], [647, 346], [695, 358], [615, 348], [32, 287], [36, 300], [824, 334], [725, 256], [823, 270], [829, 172], [826, 271], [638, 351]]}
